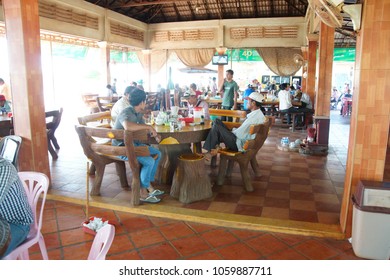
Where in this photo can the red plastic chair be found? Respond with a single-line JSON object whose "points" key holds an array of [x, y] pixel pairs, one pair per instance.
{"points": [[102, 243], [35, 185]]}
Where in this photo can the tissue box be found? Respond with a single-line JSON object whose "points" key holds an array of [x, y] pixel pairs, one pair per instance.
{"points": [[86, 229]]}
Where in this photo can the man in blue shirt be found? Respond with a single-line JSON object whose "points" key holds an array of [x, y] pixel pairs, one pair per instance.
{"points": [[247, 92], [131, 119]]}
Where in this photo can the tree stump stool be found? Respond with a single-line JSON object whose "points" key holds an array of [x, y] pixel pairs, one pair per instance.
{"points": [[190, 181]]}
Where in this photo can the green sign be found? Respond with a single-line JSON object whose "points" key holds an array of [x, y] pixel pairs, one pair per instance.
{"points": [[344, 54], [69, 51], [243, 55], [237, 55], [119, 56]]}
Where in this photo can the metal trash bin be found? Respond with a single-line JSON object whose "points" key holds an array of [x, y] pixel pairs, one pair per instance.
{"points": [[371, 220]]}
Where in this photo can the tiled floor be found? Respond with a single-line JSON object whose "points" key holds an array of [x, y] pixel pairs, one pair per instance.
{"points": [[140, 237], [293, 187]]}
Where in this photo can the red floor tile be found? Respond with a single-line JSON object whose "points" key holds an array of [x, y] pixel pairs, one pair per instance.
{"points": [[266, 244], [190, 245], [176, 230], [162, 251], [219, 237], [146, 237], [238, 251], [315, 250]]}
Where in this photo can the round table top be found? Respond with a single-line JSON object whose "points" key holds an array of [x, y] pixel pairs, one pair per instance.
{"points": [[188, 133]]}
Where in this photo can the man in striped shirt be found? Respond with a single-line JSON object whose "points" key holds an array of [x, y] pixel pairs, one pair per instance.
{"points": [[14, 206]]}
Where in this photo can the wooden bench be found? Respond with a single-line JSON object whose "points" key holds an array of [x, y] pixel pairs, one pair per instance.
{"points": [[237, 115], [103, 154], [100, 119], [251, 147]]}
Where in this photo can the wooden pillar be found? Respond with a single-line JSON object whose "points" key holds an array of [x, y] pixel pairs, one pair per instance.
{"points": [[311, 66], [24, 53], [370, 118], [221, 75], [304, 70], [105, 62], [148, 69], [324, 70]]}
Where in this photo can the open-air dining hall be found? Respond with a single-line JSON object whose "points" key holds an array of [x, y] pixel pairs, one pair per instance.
{"points": [[201, 130]]}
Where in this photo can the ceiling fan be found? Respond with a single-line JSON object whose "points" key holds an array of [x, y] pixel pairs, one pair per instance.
{"points": [[329, 11]]}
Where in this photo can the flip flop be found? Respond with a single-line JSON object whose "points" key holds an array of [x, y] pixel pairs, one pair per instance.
{"points": [[150, 199], [156, 192]]}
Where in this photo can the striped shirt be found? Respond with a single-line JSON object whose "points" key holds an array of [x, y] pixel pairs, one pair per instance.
{"points": [[14, 206]]}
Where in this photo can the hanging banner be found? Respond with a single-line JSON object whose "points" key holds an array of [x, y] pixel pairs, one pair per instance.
{"points": [[344, 54]]}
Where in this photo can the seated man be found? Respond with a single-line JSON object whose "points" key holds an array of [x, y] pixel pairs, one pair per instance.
{"points": [[132, 119], [121, 104], [285, 105], [14, 206], [306, 107], [235, 139], [4, 105], [194, 89], [193, 101]]}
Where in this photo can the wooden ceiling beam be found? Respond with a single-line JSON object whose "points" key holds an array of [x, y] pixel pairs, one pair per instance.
{"points": [[148, 3]]}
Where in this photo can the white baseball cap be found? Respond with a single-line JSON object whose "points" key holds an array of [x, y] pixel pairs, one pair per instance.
{"points": [[255, 96]]}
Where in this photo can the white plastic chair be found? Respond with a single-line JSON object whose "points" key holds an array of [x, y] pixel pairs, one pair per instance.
{"points": [[102, 243], [35, 184]]}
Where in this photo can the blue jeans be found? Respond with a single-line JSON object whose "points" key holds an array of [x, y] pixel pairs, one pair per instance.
{"points": [[148, 165], [18, 235]]}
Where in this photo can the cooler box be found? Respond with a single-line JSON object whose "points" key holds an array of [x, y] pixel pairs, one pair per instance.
{"points": [[371, 220]]}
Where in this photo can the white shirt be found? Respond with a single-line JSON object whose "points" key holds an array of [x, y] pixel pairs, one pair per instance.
{"points": [[117, 108], [242, 132], [284, 100], [305, 98]]}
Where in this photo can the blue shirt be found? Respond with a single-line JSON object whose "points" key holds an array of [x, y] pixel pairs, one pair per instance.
{"points": [[247, 92]]}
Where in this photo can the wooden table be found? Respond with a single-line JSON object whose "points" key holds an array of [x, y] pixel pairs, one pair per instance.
{"points": [[170, 152]]}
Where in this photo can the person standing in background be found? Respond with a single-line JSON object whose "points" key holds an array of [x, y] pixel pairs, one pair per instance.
{"points": [[214, 86], [4, 90], [113, 87], [229, 89]]}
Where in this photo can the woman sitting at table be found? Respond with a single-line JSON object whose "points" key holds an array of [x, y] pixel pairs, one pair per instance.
{"points": [[132, 119], [235, 139]]}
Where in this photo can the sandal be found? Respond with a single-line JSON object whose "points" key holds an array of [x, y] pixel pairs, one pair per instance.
{"points": [[150, 199], [156, 192]]}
